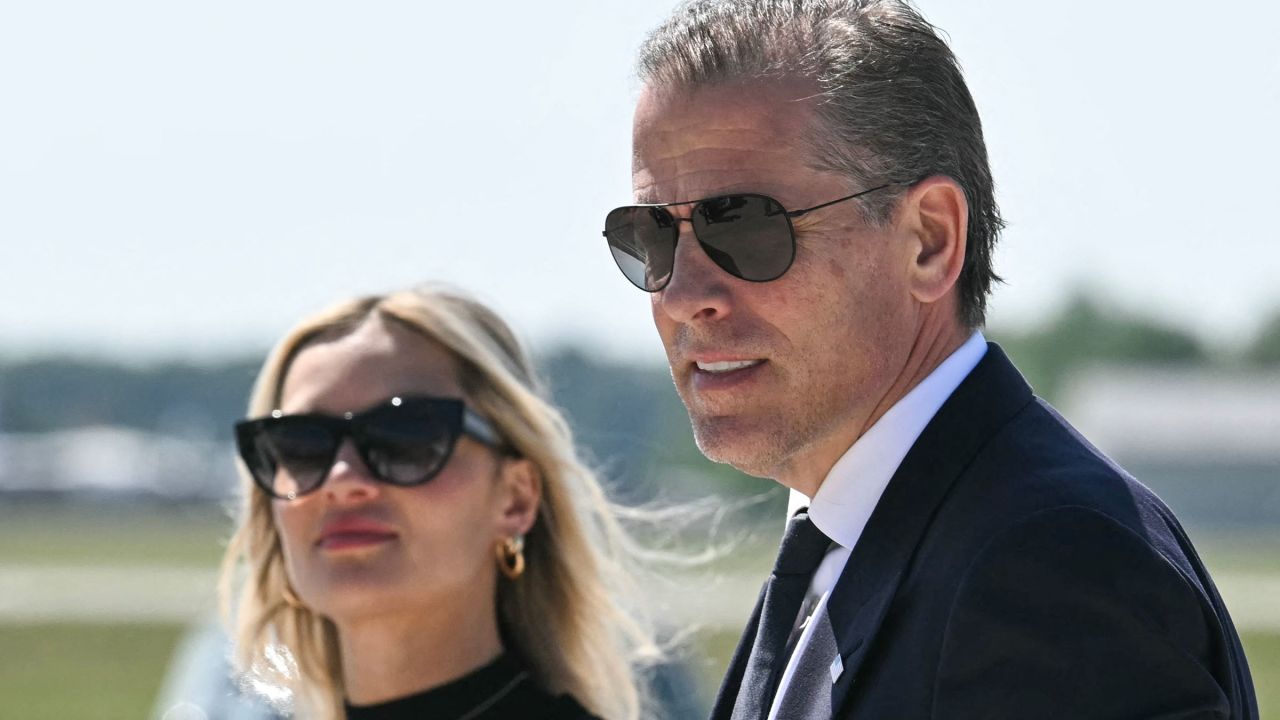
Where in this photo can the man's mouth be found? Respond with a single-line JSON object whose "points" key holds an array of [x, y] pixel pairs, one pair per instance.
{"points": [[725, 366]]}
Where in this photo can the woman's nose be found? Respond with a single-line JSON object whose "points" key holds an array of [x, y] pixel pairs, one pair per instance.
{"points": [[349, 479]]}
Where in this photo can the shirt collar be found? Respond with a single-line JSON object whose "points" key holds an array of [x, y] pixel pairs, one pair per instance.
{"points": [[851, 490]]}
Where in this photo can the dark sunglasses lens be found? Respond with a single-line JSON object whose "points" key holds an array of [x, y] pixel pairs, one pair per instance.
{"points": [[298, 454], [643, 243], [408, 445], [749, 236], [260, 463]]}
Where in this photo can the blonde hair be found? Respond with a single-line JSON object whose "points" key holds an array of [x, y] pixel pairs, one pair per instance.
{"points": [[563, 616]]}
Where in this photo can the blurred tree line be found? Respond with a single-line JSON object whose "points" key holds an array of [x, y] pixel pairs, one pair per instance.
{"points": [[1086, 332], [628, 417]]}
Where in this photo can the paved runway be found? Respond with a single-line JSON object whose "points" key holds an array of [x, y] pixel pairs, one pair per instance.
{"points": [[41, 594]]}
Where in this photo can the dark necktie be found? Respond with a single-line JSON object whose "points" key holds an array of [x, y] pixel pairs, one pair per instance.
{"points": [[803, 547]]}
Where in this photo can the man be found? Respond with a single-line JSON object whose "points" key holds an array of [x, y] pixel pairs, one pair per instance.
{"points": [[816, 230]]}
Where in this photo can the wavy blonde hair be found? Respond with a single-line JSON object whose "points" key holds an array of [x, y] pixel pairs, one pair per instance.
{"points": [[563, 615]]}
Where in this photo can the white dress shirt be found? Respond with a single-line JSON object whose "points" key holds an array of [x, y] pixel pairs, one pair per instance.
{"points": [[845, 500]]}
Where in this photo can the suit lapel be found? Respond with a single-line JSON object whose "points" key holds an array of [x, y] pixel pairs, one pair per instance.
{"points": [[987, 399], [728, 694]]}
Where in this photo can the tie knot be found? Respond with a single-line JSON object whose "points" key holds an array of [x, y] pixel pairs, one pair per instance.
{"points": [[803, 547]]}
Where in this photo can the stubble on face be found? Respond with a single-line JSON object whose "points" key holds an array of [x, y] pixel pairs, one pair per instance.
{"points": [[820, 390], [822, 329]]}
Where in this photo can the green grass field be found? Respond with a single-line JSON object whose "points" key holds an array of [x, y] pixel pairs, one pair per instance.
{"points": [[105, 672], [101, 671], [39, 534], [71, 671], [1263, 651]]}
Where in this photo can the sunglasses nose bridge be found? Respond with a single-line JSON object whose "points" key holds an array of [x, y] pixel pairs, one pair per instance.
{"points": [[688, 249], [348, 476], [685, 232], [697, 288], [682, 241]]}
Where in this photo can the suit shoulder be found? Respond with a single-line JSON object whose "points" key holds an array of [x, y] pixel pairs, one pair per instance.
{"points": [[1038, 473], [1077, 541], [1042, 447], [1038, 461], [1069, 609]]}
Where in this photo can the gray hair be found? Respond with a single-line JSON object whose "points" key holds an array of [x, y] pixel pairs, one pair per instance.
{"points": [[893, 104]]}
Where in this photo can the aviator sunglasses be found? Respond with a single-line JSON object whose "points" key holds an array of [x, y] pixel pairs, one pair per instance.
{"points": [[405, 441], [747, 235]]}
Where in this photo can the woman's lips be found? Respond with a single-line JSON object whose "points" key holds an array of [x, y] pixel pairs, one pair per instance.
{"points": [[351, 540], [353, 532]]}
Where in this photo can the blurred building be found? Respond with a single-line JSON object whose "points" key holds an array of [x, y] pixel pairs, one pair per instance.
{"points": [[1207, 441], [106, 463]]}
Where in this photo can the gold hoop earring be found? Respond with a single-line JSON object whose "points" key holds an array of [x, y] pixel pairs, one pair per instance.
{"points": [[511, 556]]}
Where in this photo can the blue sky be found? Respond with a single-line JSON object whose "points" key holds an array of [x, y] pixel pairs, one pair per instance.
{"points": [[191, 178]]}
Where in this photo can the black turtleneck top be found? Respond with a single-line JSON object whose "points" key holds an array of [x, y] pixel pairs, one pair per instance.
{"points": [[500, 690]]}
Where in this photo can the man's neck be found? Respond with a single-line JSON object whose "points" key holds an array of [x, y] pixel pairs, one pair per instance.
{"points": [[809, 468]]}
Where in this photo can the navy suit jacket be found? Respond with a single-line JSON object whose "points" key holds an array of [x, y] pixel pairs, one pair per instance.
{"points": [[1011, 570]]}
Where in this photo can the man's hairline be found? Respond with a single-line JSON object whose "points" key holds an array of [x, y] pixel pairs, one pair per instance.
{"points": [[808, 140]]}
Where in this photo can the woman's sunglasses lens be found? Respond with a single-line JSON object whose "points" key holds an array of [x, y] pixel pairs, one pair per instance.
{"points": [[260, 463], [748, 236], [302, 452], [407, 446], [643, 242]]}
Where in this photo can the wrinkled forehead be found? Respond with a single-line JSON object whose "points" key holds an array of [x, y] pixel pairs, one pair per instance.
{"points": [[723, 138]]}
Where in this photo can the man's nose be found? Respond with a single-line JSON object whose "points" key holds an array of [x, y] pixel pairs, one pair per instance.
{"points": [[699, 290]]}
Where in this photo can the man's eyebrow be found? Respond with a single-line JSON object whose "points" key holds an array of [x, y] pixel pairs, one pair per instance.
{"points": [[647, 197]]}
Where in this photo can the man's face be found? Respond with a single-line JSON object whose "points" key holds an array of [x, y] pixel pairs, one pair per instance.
{"points": [[779, 377]]}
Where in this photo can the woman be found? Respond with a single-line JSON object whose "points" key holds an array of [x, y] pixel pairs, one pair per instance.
{"points": [[418, 537]]}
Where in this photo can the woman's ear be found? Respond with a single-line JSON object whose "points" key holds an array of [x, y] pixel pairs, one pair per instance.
{"points": [[521, 493]]}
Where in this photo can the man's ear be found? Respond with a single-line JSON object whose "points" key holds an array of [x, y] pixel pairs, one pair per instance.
{"points": [[936, 215], [521, 492]]}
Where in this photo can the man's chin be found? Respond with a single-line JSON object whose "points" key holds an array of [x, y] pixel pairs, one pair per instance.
{"points": [[734, 443]]}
